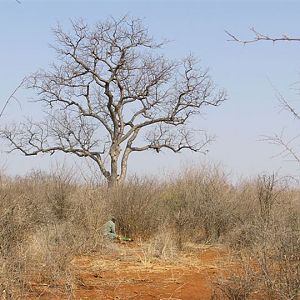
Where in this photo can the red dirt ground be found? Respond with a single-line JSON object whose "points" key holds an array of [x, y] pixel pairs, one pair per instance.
{"points": [[127, 273]]}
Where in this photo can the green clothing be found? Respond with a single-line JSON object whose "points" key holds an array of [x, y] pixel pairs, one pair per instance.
{"points": [[109, 230]]}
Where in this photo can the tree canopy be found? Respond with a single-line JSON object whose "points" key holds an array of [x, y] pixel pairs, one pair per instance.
{"points": [[112, 92]]}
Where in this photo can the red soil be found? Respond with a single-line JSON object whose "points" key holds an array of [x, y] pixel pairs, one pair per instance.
{"points": [[127, 273]]}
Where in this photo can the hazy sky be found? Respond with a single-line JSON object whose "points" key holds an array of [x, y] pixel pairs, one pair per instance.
{"points": [[251, 74]]}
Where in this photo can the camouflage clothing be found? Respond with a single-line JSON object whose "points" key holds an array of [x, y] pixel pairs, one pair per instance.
{"points": [[109, 230]]}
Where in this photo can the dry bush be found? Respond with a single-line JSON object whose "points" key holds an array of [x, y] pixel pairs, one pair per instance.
{"points": [[269, 237], [14, 275], [162, 246], [267, 273], [45, 221], [215, 204], [255, 205], [198, 205], [182, 211], [279, 263], [136, 206], [237, 286]]}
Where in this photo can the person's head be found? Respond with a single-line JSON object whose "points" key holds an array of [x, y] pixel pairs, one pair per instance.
{"points": [[113, 219]]}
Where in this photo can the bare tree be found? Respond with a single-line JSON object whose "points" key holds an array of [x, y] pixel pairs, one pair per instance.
{"points": [[113, 93]]}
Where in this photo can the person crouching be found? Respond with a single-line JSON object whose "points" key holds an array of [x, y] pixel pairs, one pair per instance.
{"points": [[109, 229]]}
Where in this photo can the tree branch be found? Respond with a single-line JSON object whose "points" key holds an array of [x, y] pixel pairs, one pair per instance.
{"points": [[12, 96], [286, 145], [258, 36], [111, 88]]}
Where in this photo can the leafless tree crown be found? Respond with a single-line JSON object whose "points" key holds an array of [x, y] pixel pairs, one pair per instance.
{"points": [[111, 93]]}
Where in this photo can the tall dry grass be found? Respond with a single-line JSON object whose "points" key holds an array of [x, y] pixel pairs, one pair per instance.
{"points": [[47, 219], [267, 244]]}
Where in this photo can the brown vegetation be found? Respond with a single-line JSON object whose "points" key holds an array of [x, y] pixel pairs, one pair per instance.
{"points": [[50, 222]]}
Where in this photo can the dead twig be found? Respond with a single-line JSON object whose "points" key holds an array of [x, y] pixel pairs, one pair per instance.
{"points": [[12, 96]]}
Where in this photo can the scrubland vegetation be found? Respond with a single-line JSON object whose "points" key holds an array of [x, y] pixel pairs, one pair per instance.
{"points": [[48, 219]]}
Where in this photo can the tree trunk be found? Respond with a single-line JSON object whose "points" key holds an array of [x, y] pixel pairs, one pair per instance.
{"points": [[112, 181], [114, 157]]}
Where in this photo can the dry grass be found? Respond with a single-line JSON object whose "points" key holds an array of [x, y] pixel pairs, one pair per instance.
{"points": [[47, 220]]}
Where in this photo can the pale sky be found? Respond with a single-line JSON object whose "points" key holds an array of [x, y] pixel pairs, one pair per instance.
{"points": [[251, 74]]}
